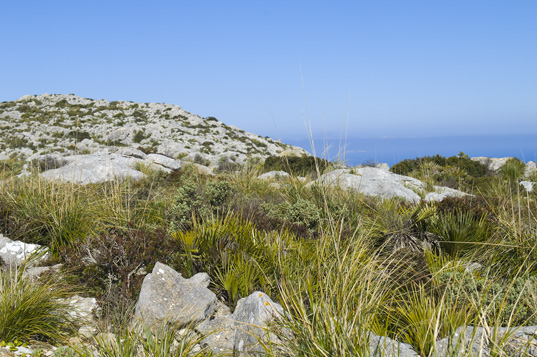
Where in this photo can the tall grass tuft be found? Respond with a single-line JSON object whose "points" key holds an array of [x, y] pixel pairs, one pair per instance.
{"points": [[31, 310], [52, 213]]}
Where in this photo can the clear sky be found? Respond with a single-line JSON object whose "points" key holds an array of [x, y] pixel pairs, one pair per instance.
{"points": [[391, 68]]}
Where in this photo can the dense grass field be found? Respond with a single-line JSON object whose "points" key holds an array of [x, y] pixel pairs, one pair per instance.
{"points": [[340, 263]]}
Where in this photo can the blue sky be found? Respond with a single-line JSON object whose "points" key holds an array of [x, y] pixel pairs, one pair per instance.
{"points": [[391, 68]]}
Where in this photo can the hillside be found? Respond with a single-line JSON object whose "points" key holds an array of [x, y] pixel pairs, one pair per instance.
{"points": [[68, 124]]}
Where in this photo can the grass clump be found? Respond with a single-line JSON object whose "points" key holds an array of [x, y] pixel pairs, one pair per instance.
{"points": [[51, 213], [31, 310]]}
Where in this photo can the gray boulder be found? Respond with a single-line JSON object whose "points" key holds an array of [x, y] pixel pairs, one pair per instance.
{"points": [[251, 317], [164, 161], [442, 192], [96, 168], [219, 334], [15, 253], [373, 181], [167, 296], [493, 164], [273, 175]]}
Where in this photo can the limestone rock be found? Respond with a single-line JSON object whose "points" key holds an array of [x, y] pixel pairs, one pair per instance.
{"points": [[17, 252], [36, 272], [251, 317], [164, 161], [218, 331], [373, 181], [273, 175], [219, 334], [82, 308], [493, 164], [442, 192], [167, 296], [528, 185], [65, 124], [95, 168]]}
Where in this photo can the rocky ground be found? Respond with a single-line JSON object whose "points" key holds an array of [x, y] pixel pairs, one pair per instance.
{"points": [[68, 124]]}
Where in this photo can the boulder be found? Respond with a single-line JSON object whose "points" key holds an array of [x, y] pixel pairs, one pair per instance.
{"points": [[167, 296], [493, 164], [164, 161], [251, 317], [442, 192], [15, 253], [82, 308], [273, 175], [373, 181], [527, 185], [96, 168], [530, 169]]}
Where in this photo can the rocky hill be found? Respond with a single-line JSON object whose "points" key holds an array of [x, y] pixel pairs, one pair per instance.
{"points": [[68, 124]]}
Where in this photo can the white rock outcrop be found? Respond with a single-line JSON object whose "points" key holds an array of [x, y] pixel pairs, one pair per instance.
{"points": [[15, 253], [530, 169], [527, 185], [67, 124], [493, 164], [372, 181], [96, 168]]}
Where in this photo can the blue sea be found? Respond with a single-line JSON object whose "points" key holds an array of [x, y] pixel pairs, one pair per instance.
{"points": [[357, 151]]}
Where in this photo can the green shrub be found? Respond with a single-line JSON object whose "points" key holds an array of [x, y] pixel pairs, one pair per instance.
{"points": [[139, 136], [296, 165], [110, 266], [302, 212], [455, 171]]}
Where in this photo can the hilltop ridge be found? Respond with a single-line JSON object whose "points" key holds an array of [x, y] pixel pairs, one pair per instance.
{"points": [[69, 124]]}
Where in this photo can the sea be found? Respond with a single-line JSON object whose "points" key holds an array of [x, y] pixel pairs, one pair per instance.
{"points": [[357, 151]]}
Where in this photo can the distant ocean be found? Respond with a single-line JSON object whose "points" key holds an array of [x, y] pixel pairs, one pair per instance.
{"points": [[392, 150]]}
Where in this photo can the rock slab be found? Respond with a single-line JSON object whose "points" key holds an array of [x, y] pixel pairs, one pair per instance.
{"points": [[167, 296], [16, 253]]}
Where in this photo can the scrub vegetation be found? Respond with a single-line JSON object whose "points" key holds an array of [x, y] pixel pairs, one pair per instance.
{"points": [[341, 264]]}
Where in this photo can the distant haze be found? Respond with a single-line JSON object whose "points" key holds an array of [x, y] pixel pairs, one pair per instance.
{"points": [[367, 68]]}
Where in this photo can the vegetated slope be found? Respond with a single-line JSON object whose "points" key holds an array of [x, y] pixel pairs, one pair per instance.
{"points": [[67, 124]]}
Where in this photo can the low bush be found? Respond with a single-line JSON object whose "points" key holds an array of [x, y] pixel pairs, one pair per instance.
{"points": [[296, 165], [111, 266]]}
